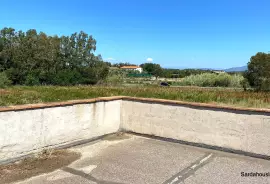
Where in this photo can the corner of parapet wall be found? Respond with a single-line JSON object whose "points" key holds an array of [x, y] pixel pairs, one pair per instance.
{"points": [[134, 99], [54, 125], [121, 115], [132, 114], [231, 128]]}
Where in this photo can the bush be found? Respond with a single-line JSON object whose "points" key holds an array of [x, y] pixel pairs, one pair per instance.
{"points": [[245, 84], [114, 79], [169, 82], [213, 80], [265, 85], [16, 75], [67, 77], [32, 80], [4, 81]]}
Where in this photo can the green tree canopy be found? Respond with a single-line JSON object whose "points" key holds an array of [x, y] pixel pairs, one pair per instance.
{"points": [[153, 69], [122, 64], [36, 58], [258, 74], [1, 45]]}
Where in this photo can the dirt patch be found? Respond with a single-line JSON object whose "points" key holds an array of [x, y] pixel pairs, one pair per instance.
{"points": [[46, 162], [116, 136]]}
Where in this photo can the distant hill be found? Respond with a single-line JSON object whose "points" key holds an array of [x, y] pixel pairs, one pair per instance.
{"points": [[236, 69]]}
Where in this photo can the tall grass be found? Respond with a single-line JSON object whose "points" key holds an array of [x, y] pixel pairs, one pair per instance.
{"points": [[212, 80], [40, 94]]}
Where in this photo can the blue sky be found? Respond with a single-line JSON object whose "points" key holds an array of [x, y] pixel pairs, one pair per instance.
{"points": [[174, 33]]}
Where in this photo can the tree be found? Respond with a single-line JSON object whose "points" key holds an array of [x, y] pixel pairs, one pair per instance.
{"points": [[123, 64], [153, 69], [1, 45], [1, 57], [258, 74], [108, 64], [32, 58]]}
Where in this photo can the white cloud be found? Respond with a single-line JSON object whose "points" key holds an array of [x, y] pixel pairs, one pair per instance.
{"points": [[149, 59], [110, 59]]}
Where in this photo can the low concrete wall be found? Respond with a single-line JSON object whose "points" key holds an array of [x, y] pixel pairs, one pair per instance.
{"points": [[26, 131], [242, 130]]}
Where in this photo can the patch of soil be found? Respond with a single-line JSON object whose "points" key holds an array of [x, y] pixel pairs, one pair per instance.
{"points": [[33, 166], [116, 136]]}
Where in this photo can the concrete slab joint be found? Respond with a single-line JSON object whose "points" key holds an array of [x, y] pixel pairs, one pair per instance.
{"points": [[28, 129]]}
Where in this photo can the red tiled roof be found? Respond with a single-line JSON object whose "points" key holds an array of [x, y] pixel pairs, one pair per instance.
{"points": [[129, 67]]}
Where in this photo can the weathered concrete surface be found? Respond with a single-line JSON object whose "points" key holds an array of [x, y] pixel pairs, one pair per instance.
{"points": [[24, 132], [139, 160], [243, 131], [30, 128]]}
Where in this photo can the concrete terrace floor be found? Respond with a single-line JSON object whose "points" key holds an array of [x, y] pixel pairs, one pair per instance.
{"points": [[134, 159]]}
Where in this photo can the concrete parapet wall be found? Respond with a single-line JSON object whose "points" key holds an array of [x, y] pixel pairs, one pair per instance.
{"points": [[246, 131], [26, 129]]}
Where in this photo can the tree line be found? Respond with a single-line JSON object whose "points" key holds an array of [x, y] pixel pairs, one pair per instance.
{"points": [[119, 64], [157, 71], [257, 76], [31, 58]]}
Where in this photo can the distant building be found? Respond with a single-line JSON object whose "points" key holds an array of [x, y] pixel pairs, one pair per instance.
{"points": [[219, 71], [134, 68]]}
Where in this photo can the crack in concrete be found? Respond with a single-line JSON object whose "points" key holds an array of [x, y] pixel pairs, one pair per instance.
{"points": [[190, 170]]}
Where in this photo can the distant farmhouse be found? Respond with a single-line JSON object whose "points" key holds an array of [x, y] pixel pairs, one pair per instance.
{"points": [[218, 71], [134, 68]]}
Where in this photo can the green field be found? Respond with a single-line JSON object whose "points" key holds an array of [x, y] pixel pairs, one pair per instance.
{"points": [[28, 95]]}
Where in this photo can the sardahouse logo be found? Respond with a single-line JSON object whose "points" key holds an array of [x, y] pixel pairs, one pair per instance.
{"points": [[255, 174]]}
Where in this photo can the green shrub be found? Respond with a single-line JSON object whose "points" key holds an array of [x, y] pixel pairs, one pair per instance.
{"points": [[265, 85], [114, 79], [67, 77], [213, 80], [32, 80], [4, 81], [245, 84]]}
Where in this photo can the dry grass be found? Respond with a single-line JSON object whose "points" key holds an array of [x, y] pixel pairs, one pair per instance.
{"points": [[40, 94]]}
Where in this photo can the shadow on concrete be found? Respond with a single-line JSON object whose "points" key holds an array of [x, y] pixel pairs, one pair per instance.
{"points": [[87, 176], [201, 145]]}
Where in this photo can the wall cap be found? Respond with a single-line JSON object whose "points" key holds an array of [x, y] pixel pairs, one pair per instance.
{"points": [[151, 100]]}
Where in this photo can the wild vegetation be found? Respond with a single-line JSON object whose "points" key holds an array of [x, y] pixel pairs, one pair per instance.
{"points": [[119, 64], [31, 58], [49, 62], [213, 80], [153, 69], [40, 94], [178, 73]]}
